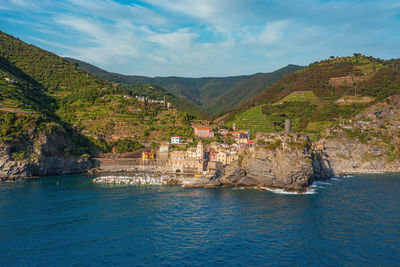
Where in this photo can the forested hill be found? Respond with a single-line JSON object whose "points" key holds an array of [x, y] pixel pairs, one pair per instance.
{"points": [[40, 91], [213, 94]]}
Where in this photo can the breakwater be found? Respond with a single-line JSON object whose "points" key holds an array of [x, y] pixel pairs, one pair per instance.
{"points": [[139, 179]]}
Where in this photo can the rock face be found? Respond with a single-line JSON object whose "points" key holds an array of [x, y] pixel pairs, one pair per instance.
{"points": [[290, 169], [351, 156], [46, 158]]}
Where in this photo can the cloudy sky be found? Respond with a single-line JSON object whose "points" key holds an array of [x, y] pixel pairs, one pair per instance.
{"points": [[196, 38]]}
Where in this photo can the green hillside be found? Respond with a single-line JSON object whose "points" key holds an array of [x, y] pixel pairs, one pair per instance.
{"points": [[213, 94], [38, 89], [27, 111], [321, 95]]}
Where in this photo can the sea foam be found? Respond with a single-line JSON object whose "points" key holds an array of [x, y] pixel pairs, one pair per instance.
{"points": [[310, 191]]}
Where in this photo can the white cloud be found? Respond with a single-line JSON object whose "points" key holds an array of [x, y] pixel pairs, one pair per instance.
{"points": [[271, 34], [180, 39], [207, 37]]}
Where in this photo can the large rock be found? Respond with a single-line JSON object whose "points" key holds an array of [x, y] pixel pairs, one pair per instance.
{"points": [[289, 168]]}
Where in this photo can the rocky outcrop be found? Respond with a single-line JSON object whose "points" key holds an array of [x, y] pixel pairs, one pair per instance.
{"points": [[348, 156], [371, 142], [46, 156], [290, 169]]}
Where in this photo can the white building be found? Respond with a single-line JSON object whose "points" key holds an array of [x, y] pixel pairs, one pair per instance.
{"points": [[164, 148], [176, 139]]}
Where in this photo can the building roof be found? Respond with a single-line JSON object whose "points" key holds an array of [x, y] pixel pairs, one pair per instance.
{"points": [[203, 128]]}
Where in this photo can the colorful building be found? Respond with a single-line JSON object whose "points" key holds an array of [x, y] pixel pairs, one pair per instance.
{"points": [[251, 142], [240, 134], [147, 155], [213, 155], [203, 132], [222, 157]]}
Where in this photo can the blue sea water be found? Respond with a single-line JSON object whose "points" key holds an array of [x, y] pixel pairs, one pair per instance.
{"points": [[70, 221]]}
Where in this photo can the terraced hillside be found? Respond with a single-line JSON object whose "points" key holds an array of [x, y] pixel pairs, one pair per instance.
{"points": [[270, 118], [253, 120], [44, 89], [320, 96]]}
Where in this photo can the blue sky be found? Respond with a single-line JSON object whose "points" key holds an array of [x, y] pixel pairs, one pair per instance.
{"points": [[195, 38]]}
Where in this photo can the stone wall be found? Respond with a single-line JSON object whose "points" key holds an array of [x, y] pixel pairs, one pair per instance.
{"points": [[131, 164]]}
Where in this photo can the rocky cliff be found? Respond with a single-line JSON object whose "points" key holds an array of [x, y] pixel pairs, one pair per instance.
{"points": [[43, 154], [349, 156], [290, 168], [369, 142]]}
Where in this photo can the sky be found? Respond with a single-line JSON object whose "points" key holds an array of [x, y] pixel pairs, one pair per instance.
{"points": [[197, 38]]}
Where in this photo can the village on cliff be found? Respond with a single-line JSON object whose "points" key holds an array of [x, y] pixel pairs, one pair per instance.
{"points": [[215, 148]]}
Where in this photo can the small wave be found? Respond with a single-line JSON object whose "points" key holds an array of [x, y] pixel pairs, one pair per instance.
{"points": [[335, 179], [310, 191], [244, 188], [319, 183]]}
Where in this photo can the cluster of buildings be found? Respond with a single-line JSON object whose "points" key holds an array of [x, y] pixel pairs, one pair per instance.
{"points": [[204, 158], [240, 137], [206, 132], [200, 159], [154, 101]]}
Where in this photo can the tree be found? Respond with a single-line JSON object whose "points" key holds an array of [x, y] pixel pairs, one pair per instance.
{"points": [[154, 145]]}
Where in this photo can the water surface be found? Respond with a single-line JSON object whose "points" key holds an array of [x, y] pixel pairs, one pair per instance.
{"points": [[68, 220]]}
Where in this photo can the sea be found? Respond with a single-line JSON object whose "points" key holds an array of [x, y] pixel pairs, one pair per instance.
{"points": [[71, 221]]}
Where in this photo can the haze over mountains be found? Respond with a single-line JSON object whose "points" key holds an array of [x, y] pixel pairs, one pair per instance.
{"points": [[215, 95]]}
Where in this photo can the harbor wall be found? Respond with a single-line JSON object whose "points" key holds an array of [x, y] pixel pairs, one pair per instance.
{"points": [[131, 164]]}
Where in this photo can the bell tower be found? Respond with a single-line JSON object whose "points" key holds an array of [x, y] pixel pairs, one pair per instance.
{"points": [[200, 150]]}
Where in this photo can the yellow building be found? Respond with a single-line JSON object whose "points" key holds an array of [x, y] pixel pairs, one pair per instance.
{"points": [[147, 155]]}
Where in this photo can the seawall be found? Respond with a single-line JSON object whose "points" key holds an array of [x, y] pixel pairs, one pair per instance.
{"points": [[130, 164]]}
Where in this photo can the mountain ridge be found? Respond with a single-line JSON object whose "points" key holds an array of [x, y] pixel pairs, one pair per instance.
{"points": [[214, 94]]}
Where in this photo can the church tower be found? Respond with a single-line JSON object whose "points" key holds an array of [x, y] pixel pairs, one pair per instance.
{"points": [[200, 150]]}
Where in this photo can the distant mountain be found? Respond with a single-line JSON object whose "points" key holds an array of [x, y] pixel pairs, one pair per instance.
{"points": [[213, 94]]}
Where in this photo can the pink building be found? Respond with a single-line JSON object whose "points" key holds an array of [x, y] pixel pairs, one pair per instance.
{"points": [[203, 132]]}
